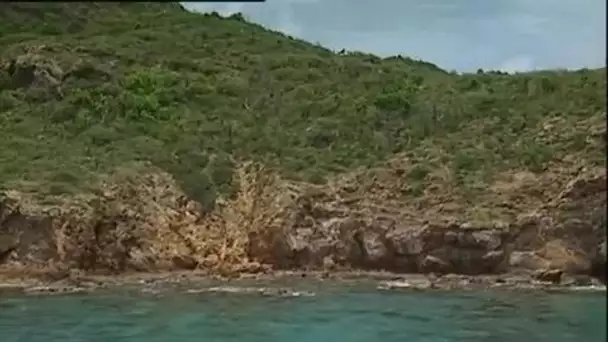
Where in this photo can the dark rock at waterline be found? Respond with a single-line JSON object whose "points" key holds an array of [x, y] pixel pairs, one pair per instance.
{"points": [[598, 264], [553, 276], [579, 280], [185, 262]]}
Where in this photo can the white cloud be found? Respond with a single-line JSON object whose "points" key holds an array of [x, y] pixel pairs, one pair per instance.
{"points": [[287, 22], [221, 8], [517, 64]]}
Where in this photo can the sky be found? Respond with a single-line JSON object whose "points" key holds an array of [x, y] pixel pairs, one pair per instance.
{"points": [[460, 35]]}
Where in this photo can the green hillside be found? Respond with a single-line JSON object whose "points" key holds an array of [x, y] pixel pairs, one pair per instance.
{"points": [[87, 87]]}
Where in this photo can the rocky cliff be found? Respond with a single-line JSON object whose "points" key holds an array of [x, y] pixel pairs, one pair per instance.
{"points": [[143, 222]]}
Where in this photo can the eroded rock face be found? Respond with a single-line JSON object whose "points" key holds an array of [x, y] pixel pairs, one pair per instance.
{"points": [[155, 228], [526, 260], [562, 235], [116, 233], [369, 244], [27, 238], [33, 71]]}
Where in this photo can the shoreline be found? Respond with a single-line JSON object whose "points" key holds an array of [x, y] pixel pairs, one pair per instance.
{"points": [[285, 283]]}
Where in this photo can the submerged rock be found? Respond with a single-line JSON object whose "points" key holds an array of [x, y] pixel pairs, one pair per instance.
{"points": [[264, 291], [55, 290], [412, 284]]}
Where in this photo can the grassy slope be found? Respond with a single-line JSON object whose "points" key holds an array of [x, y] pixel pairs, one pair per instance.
{"points": [[189, 92]]}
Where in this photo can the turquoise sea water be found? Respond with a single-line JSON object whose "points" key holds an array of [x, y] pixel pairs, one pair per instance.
{"points": [[336, 313]]}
